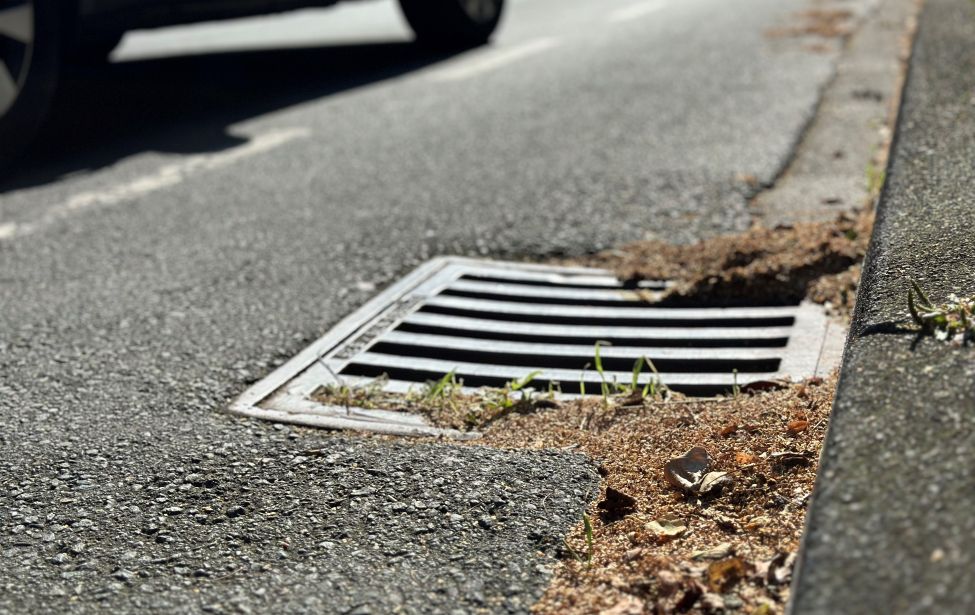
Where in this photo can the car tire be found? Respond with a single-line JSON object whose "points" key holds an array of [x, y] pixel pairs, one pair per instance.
{"points": [[452, 23], [30, 50]]}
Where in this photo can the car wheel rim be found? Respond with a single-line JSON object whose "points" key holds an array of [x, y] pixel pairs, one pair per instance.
{"points": [[16, 47], [481, 11]]}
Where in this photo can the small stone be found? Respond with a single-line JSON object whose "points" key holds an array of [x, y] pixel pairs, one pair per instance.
{"points": [[722, 550], [667, 528], [712, 602], [123, 575], [757, 522]]}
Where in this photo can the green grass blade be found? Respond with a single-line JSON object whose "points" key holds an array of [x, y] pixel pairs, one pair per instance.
{"points": [[923, 300], [587, 522], [598, 360], [517, 385], [912, 308], [637, 368], [440, 388]]}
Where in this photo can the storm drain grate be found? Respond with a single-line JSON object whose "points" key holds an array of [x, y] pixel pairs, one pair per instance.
{"points": [[491, 323]]}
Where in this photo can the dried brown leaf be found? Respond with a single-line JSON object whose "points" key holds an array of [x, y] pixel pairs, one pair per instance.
{"points": [[724, 574]]}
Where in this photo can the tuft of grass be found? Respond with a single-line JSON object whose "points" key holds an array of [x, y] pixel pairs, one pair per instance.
{"points": [[500, 401], [346, 395], [443, 388], [521, 383], [447, 402], [651, 389], [654, 385], [952, 321]]}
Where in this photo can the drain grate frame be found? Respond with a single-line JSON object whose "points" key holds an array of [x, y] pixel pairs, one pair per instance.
{"points": [[492, 322]]}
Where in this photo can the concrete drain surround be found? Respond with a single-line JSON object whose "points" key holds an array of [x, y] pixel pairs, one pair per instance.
{"points": [[493, 322]]}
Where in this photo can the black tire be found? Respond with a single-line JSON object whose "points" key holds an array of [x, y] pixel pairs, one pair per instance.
{"points": [[452, 23], [29, 62]]}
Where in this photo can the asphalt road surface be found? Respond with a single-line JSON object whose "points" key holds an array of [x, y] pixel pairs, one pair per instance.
{"points": [[221, 194]]}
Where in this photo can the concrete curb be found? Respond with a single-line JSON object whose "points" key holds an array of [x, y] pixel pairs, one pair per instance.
{"points": [[891, 527]]}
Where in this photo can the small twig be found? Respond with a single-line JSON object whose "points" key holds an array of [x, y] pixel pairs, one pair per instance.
{"points": [[702, 400], [822, 349]]}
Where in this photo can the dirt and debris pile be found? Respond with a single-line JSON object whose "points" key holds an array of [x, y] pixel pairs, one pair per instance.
{"points": [[703, 501], [818, 260]]}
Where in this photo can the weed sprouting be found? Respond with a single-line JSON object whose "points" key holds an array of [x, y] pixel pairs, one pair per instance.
{"points": [[651, 389], [520, 384], [953, 321], [502, 400], [582, 380], [654, 386], [347, 395], [449, 403], [598, 360], [587, 523], [637, 368], [587, 529], [443, 388]]}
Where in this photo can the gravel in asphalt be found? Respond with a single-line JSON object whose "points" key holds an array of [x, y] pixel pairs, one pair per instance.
{"points": [[259, 523]]}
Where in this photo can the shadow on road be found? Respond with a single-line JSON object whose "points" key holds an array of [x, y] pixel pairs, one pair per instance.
{"points": [[185, 104]]}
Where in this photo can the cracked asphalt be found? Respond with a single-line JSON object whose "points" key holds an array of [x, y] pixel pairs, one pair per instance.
{"points": [[160, 251]]}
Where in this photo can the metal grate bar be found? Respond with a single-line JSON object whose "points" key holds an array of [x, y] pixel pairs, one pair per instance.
{"points": [[730, 335], [576, 351], [550, 294], [539, 278], [470, 371], [759, 316]]}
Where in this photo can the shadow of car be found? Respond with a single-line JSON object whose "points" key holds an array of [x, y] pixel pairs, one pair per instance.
{"points": [[39, 39], [189, 104]]}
